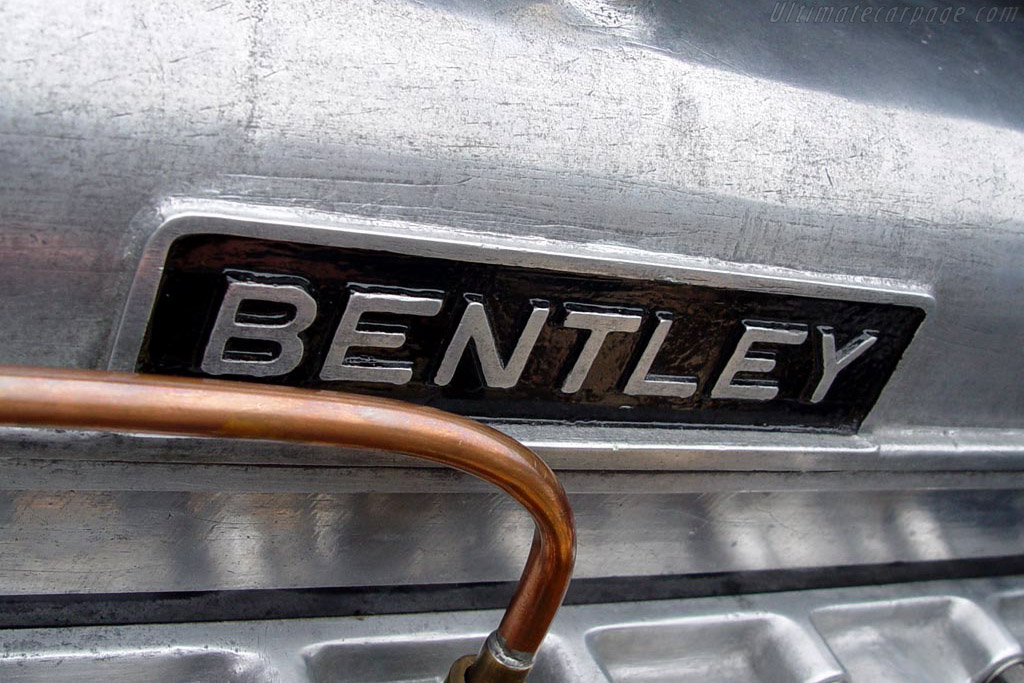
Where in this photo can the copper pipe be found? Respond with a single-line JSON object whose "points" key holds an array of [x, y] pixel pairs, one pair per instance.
{"points": [[88, 399]]}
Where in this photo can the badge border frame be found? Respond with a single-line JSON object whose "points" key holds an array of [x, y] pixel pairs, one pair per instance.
{"points": [[179, 219]]}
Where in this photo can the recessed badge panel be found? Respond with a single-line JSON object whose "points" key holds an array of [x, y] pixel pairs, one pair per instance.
{"points": [[512, 341]]}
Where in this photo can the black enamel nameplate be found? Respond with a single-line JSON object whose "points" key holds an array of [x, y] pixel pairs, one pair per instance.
{"points": [[508, 342]]}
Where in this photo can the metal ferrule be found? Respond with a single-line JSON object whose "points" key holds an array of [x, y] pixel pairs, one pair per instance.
{"points": [[496, 663], [503, 654], [1013, 672]]}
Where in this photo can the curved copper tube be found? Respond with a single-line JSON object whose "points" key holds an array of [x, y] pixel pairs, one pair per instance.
{"points": [[89, 399]]}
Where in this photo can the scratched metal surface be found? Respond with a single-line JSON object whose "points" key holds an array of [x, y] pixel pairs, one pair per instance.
{"points": [[685, 129], [576, 120], [936, 632], [146, 527]]}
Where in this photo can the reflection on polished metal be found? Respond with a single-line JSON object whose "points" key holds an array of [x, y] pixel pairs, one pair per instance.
{"points": [[934, 638], [138, 403], [1013, 673], [948, 631]]}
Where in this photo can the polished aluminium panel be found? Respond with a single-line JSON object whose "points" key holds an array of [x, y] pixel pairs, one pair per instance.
{"points": [[380, 660], [752, 158], [917, 450], [75, 519], [931, 639], [746, 647], [758, 638], [674, 129], [143, 665], [161, 527]]}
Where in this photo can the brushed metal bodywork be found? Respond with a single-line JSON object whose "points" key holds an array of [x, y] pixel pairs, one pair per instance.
{"points": [[678, 129]]}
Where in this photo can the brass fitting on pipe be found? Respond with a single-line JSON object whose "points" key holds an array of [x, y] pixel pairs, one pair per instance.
{"points": [[122, 402]]}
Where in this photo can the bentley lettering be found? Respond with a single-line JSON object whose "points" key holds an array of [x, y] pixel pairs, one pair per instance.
{"points": [[506, 339], [475, 329]]}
